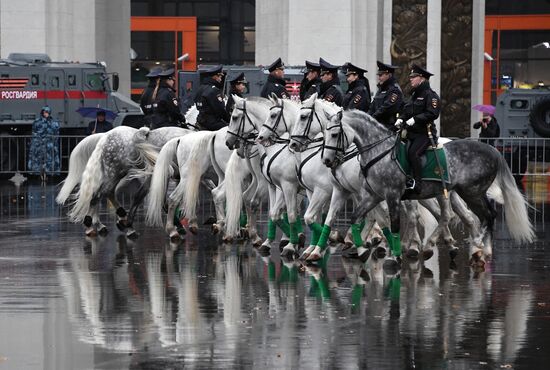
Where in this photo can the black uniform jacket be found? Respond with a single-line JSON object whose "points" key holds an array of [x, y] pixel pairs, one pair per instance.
{"points": [[331, 91], [387, 102], [424, 107], [230, 102], [166, 110], [357, 96], [308, 88], [210, 103], [275, 85]]}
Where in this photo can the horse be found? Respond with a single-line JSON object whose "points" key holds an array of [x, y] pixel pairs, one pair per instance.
{"points": [[116, 154], [472, 166]]}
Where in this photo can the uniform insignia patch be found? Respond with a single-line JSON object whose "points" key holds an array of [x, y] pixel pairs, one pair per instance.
{"points": [[220, 98], [175, 101], [434, 103], [356, 99], [393, 98]]}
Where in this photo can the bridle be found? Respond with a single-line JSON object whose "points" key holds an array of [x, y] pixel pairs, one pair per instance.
{"points": [[240, 134], [273, 129], [304, 139]]}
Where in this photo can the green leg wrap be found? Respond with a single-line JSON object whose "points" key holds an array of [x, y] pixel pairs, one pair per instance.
{"points": [[243, 220], [271, 229], [177, 216], [323, 287], [396, 245], [362, 224], [284, 276], [323, 239], [293, 233], [316, 230], [271, 271], [356, 235], [284, 226], [395, 288], [356, 295], [299, 225], [387, 233]]}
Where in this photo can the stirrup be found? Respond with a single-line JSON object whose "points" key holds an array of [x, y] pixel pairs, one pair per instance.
{"points": [[410, 183]]}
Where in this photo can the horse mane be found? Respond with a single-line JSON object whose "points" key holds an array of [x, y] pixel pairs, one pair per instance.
{"points": [[259, 100], [327, 103], [355, 114]]}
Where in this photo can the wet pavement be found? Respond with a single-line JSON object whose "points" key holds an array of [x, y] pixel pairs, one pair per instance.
{"points": [[71, 302]]}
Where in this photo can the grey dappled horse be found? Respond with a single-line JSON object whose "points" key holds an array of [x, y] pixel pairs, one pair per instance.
{"points": [[472, 166]]}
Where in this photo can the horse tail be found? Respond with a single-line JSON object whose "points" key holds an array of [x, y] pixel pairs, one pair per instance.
{"points": [[515, 205], [159, 182], [235, 174], [143, 164], [495, 193], [198, 163], [77, 164], [92, 179], [219, 171]]}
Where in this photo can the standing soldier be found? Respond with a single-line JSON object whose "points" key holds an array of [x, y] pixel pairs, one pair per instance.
{"points": [[358, 94], [146, 101], [419, 115], [389, 97], [330, 89], [275, 81], [210, 100], [166, 110], [238, 87], [311, 82]]}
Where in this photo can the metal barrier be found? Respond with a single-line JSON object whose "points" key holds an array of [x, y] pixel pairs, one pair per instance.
{"points": [[14, 152]]}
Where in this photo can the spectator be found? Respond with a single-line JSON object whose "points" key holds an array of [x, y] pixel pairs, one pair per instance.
{"points": [[99, 125], [44, 148], [489, 129]]}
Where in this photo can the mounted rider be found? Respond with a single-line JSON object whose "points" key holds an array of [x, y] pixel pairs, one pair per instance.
{"points": [[276, 83], [330, 86], [166, 110], [388, 100], [210, 100], [419, 115], [311, 82], [146, 100], [238, 87], [358, 94]]}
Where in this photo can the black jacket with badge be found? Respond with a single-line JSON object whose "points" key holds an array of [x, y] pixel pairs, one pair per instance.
{"points": [[275, 85], [166, 111], [387, 103], [308, 88], [331, 91], [209, 101], [357, 96], [424, 107]]}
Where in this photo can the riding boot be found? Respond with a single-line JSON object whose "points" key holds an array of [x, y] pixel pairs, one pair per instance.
{"points": [[417, 174]]}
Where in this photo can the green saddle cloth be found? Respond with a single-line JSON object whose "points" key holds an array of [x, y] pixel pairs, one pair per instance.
{"points": [[430, 169]]}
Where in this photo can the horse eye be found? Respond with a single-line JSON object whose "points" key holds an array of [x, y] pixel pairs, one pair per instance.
{"points": [[273, 115], [334, 135], [303, 116]]}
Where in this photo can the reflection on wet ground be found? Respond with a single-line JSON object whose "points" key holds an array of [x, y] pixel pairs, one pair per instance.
{"points": [[70, 302]]}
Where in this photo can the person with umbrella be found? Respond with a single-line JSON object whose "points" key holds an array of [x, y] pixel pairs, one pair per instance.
{"points": [[99, 125], [488, 124]]}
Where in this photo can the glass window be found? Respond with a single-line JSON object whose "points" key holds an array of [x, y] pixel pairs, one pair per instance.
{"points": [[54, 82], [71, 80], [94, 81], [35, 79]]}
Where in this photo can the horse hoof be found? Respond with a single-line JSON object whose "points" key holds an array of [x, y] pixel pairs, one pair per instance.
{"points": [[132, 234], [391, 266], [215, 229], [364, 275], [121, 225], [427, 273], [427, 254], [375, 241], [174, 236], [453, 252], [476, 256], [283, 243], [288, 253], [103, 231], [244, 234], [412, 254], [380, 252], [313, 257], [194, 230], [349, 253], [363, 257], [257, 242], [264, 248], [91, 233], [301, 240]]}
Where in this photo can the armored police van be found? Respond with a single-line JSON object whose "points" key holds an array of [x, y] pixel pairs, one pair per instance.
{"points": [[30, 81], [524, 119]]}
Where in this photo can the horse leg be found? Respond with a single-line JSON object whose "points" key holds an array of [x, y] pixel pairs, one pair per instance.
{"points": [[137, 200], [483, 210], [290, 193], [412, 239], [275, 209], [90, 221], [218, 196], [469, 219], [100, 227], [170, 228], [394, 210], [441, 229], [312, 216]]}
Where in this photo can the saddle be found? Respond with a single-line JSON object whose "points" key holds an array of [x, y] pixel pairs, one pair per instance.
{"points": [[430, 168]]}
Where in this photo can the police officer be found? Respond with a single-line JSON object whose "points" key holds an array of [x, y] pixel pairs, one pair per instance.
{"points": [[166, 110], [210, 100], [238, 87], [275, 81], [388, 99], [358, 94], [330, 89], [146, 101], [311, 82], [419, 115]]}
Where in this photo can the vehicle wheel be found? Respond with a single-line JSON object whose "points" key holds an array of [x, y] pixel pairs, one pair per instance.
{"points": [[540, 117]]}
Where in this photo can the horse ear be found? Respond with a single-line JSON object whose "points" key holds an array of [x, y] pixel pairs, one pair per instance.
{"points": [[309, 101], [340, 114], [236, 98], [273, 98]]}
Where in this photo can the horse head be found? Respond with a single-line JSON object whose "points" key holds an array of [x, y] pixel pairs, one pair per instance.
{"points": [[337, 140], [246, 120], [283, 114]]}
